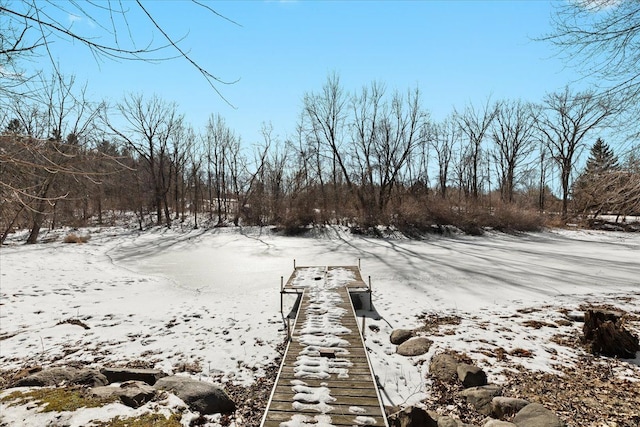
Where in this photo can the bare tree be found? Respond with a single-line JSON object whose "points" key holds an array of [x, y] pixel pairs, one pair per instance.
{"points": [[183, 140], [368, 114], [276, 177], [326, 114], [149, 129], [475, 124], [394, 136], [600, 37], [30, 28], [48, 144], [195, 160], [565, 120], [446, 136], [222, 146], [513, 134]]}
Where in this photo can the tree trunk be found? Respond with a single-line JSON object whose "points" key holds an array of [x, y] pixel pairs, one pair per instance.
{"points": [[605, 335], [158, 202], [38, 217], [7, 230], [99, 208]]}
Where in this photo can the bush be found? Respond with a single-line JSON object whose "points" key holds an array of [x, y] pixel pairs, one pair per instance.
{"points": [[75, 238], [508, 218], [436, 215]]}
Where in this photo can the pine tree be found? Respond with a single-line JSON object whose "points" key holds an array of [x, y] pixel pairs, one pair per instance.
{"points": [[593, 188], [601, 159]]}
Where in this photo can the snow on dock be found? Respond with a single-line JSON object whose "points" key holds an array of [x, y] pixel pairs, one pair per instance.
{"points": [[325, 378]]}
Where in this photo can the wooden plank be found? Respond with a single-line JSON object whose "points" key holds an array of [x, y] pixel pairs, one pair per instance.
{"points": [[336, 419], [276, 417], [369, 406], [335, 423], [348, 389]]}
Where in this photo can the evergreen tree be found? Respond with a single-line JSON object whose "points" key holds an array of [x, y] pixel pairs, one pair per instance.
{"points": [[593, 189], [601, 159]]}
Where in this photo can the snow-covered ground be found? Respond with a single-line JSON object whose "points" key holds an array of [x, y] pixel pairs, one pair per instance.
{"points": [[208, 301]]}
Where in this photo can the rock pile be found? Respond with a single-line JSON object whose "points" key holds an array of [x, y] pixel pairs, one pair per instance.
{"points": [[134, 387], [485, 399]]}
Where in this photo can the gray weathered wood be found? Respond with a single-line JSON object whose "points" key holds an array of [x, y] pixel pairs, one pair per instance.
{"points": [[354, 394]]}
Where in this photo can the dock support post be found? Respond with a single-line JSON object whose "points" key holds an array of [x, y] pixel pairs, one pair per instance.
{"points": [[363, 319], [359, 264], [281, 294], [288, 328], [370, 299], [294, 263]]}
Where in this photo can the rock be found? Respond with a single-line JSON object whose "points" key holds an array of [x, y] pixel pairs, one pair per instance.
{"points": [[414, 347], [89, 377], [444, 367], [398, 336], [447, 422], [105, 392], [497, 423], [502, 407], [471, 376], [536, 415], [481, 397], [136, 393], [199, 396], [131, 393], [119, 375], [48, 377], [411, 417]]}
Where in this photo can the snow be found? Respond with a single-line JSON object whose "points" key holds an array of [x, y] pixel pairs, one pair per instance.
{"points": [[209, 299]]}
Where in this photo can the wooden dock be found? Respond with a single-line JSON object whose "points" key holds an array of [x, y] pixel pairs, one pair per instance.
{"points": [[325, 377]]}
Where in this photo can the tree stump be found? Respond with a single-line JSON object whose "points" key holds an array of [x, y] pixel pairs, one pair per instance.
{"points": [[605, 335]]}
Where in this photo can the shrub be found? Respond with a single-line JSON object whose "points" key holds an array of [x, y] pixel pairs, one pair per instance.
{"points": [[509, 219], [75, 238]]}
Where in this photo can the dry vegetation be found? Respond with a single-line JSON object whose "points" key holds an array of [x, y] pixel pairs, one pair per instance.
{"points": [[592, 392], [589, 391], [76, 238], [58, 399]]}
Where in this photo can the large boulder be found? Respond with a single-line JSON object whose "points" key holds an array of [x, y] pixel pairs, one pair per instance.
{"points": [[471, 376], [480, 397], [444, 367], [412, 417], [199, 396], [48, 377], [90, 377], [502, 407], [63, 375], [119, 375], [398, 336], [131, 393], [447, 421], [536, 415], [497, 423], [136, 393], [414, 347]]}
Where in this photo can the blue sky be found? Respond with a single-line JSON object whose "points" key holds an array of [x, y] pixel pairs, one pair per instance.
{"points": [[456, 52]]}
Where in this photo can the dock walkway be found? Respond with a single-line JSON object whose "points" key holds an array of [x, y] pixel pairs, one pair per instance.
{"points": [[325, 378]]}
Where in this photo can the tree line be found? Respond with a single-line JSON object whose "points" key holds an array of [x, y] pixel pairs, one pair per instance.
{"points": [[364, 158]]}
